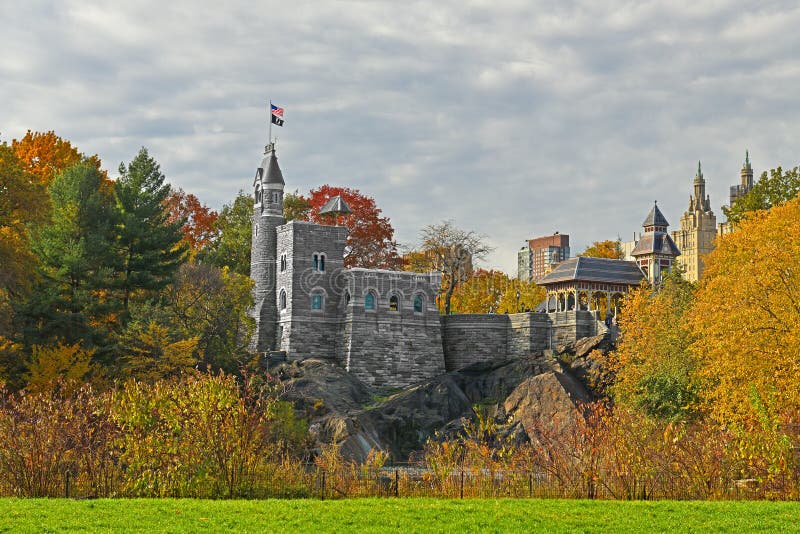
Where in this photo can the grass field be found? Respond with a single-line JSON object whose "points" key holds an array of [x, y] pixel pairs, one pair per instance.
{"points": [[394, 515]]}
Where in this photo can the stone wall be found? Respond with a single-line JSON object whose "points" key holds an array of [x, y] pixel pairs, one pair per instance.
{"points": [[387, 347], [473, 338]]}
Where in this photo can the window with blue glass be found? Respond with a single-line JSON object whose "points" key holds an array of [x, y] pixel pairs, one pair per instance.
{"points": [[316, 301], [369, 301], [419, 304]]}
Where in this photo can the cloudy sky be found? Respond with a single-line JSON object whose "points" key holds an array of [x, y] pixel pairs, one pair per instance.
{"points": [[512, 118]]}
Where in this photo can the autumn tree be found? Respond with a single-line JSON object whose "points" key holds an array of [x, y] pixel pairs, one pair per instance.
{"points": [[604, 249], [450, 250], [772, 189], [148, 241], [494, 292], [371, 236], [746, 317], [44, 155], [198, 219], [231, 246], [653, 364]]}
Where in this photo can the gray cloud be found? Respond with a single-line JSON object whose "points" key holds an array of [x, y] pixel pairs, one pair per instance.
{"points": [[514, 119]]}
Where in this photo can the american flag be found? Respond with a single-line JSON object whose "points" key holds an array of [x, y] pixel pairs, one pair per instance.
{"points": [[278, 112]]}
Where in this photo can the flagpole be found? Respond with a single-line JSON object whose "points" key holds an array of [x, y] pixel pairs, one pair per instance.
{"points": [[269, 119]]}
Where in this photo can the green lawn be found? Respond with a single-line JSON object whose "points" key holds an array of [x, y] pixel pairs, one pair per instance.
{"points": [[393, 515]]}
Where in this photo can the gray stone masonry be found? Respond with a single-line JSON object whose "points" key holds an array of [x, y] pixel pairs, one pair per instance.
{"points": [[305, 332], [477, 338], [392, 344]]}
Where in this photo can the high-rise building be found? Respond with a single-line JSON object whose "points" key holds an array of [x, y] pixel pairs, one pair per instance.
{"points": [[698, 230], [541, 255], [738, 191]]}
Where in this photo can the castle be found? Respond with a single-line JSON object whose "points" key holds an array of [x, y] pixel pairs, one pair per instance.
{"points": [[384, 326]]}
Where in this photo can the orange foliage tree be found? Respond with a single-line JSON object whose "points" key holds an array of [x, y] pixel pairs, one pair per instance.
{"points": [[198, 219], [371, 237], [44, 154]]}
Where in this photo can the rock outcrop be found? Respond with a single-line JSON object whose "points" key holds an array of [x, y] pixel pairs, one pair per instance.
{"points": [[523, 395]]}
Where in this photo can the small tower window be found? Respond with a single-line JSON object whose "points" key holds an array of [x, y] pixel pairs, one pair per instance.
{"points": [[318, 263], [258, 194], [369, 301], [346, 298], [418, 304], [316, 301], [283, 262], [255, 229], [394, 303], [283, 300]]}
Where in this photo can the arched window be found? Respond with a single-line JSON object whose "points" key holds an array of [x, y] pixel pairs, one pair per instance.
{"points": [[369, 301], [315, 262], [394, 303], [282, 301], [346, 298], [283, 262], [419, 304], [316, 301], [322, 263]]}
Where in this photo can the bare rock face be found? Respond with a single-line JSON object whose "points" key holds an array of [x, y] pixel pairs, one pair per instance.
{"points": [[547, 402], [522, 395]]}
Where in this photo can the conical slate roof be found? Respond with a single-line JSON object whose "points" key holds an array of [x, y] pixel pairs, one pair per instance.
{"points": [[335, 205], [655, 218], [269, 166]]}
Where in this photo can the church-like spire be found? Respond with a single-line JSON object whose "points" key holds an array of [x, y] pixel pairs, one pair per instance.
{"points": [[699, 176], [747, 159]]}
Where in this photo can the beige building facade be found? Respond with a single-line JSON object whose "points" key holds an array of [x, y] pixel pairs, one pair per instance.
{"points": [[698, 230]]}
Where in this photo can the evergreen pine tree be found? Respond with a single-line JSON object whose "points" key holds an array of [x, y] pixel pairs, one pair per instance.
{"points": [[150, 245]]}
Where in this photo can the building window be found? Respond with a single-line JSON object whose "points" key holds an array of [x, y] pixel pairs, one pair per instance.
{"points": [[369, 301], [258, 194], [283, 262], [346, 298], [318, 263], [419, 304], [255, 229], [394, 303], [316, 301], [283, 300]]}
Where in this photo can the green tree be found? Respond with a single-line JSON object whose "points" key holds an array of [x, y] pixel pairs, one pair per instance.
{"points": [[76, 250], [211, 304], [295, 207], [771, 190], [231, 247], [150, 245]]}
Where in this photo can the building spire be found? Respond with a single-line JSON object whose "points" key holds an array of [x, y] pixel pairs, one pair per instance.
{"points": [[746, 159]]}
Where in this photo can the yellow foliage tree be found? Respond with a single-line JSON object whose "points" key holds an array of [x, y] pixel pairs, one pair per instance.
{"points": [[746, 318], [151, 353], [69, 363], [495, 292], [653, 364], [605, 249]]}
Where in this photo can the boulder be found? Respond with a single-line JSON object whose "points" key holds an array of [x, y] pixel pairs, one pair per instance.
{"points": [[546, 403]]}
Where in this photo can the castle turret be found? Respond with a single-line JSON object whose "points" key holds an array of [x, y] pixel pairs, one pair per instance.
{"points": [[746, 174], [268, 188]]}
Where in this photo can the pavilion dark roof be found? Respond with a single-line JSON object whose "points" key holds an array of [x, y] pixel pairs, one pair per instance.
{"points": [[656, 243], [601, 270]]}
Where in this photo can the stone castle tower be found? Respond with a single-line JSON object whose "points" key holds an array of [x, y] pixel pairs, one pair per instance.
{"points": [[268, 188], [655, 252], [747, 180], [698, 230]]}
